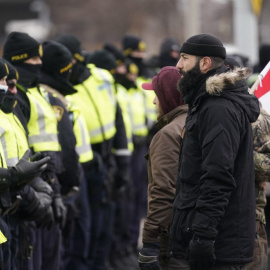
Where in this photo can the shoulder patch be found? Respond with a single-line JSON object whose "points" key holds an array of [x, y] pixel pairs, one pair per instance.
{"points": [[58, 111]]}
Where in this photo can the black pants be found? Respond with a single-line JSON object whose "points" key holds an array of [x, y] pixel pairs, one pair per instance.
{"points": [[178, 263]]}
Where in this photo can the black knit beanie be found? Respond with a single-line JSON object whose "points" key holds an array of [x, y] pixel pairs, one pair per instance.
{"points": [[57, 62], [103, 59], [13, 73], [57, 59], [73, 44], [19, 47], [204, 45], [169, 44], [3, 69], [120, 59], [132, 43]]}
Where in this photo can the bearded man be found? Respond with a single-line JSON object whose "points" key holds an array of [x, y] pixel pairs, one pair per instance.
{"points": [[213, 224]]}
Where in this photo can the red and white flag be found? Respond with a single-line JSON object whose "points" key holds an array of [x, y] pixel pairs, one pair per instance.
{"points": [[262, 88]]}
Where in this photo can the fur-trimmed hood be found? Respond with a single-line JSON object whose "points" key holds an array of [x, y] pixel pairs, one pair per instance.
{"points": [[215, 84], [231, 84]]}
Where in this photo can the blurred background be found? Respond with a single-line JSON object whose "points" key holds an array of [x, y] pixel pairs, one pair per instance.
{"points": [[242, 25]]}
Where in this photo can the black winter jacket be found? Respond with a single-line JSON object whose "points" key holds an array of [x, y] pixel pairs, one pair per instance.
{"points": [[215, 195]]}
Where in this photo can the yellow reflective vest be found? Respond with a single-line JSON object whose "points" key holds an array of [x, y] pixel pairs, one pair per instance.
{"points": [[13, 138], [42, 125], [124, 101], [3, 163], [150, 108], [83, 145], [138, 113], [96, 99]]}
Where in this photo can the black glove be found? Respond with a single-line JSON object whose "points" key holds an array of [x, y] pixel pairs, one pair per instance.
{"points": [[47, 220], [148, 257], [73, 212], [26, 170], [201, 253], [60, 211], [44, 195], [37, 207]]}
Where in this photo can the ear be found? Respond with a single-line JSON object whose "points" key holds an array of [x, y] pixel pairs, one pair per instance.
{"points": [[205, 64]]}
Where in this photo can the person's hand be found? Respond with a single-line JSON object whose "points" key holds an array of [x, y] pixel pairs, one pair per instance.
{"points": [[148, 257], [201, 253], [47, 220], [60, 211], [25, 170], [73, 212]]}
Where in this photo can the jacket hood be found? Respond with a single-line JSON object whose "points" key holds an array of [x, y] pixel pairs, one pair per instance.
{"points": [[167, 118], [232, 85]]}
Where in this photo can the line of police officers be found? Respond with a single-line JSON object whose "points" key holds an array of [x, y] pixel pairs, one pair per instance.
{"points": [[78, 203]]}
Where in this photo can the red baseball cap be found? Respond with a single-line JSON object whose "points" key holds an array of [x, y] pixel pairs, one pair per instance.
{"points": [[165, 87]]}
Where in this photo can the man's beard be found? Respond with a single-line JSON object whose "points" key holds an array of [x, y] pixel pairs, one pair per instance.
{"points": [[189, 80]]}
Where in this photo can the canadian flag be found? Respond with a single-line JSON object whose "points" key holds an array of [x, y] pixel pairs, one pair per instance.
{"points": [[261, 88]]}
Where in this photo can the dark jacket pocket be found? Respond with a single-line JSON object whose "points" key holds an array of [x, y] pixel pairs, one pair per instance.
{"points": [[212, 134]]}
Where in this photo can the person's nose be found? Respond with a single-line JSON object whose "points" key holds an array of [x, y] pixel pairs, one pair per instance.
{"points": [[179, 64]]}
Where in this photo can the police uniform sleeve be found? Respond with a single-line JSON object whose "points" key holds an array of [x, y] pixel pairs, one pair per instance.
{"points": [[121, 152]]}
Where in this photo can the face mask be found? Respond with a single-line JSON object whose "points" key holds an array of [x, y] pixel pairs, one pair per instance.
{"points": [[7, 102], [29, 74], [78, 74], [138, 62], [123, 80]]}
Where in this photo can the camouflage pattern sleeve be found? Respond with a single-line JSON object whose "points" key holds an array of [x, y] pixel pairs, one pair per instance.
{"points": [[261, 138]]}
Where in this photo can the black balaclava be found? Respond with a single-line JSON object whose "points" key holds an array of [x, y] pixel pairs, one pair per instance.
{"points": [[133, 43], [122, 78], [79, 73], [167, 46], [103, 59], [29, 74], [120, 59], [8, 100]]}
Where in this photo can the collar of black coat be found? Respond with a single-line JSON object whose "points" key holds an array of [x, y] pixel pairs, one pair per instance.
{"points": [[218, 80]]}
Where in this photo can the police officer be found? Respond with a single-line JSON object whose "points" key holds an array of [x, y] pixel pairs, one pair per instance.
{"points": [[33, 200], [75, 142], [119, 257], [96, 98], [134, 48], [39, 119], [15, 179]]}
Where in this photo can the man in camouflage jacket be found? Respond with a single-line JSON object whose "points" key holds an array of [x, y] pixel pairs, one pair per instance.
{"points": [[261, 137]]}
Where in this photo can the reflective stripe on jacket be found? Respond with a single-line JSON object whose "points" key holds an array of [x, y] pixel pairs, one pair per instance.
{"points": [[42, 124]]}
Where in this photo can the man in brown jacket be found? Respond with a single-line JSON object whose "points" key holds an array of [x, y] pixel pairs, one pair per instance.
{"points": [[162, 158]]}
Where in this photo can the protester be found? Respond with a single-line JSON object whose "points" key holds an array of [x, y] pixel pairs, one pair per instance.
{"points": [[162, 168], [211, 224], [261, 129]]}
